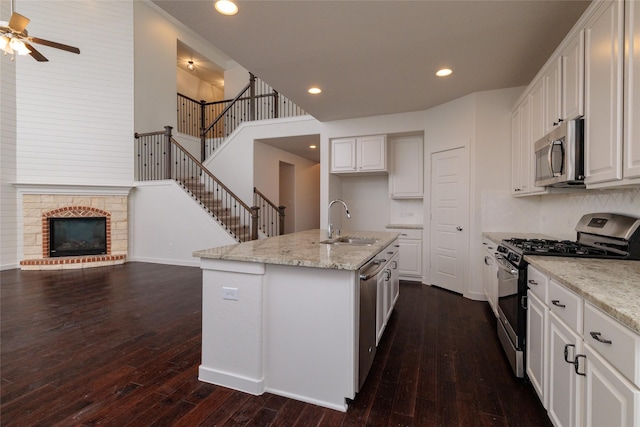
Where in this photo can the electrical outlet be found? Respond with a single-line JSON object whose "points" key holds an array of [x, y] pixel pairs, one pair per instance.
{"points": [[230, 293]]}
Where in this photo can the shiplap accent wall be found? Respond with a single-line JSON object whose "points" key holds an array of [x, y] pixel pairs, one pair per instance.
{"points": [[75, 112], [8, 204]]}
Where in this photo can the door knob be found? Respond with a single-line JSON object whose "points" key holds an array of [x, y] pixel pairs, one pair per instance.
{"points": [[459, 228]]}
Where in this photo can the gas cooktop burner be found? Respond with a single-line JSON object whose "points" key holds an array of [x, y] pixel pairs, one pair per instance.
{"points": [[555, 248]]}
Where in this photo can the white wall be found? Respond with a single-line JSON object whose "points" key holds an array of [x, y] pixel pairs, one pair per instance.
{"points": [[75, 112], [8, 206], [307, 183], [167, 226], [190, 85]]}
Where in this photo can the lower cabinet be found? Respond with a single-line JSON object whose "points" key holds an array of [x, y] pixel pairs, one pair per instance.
{"points": [[410, 262], [582, 363], [490, 274], [388, 289]]}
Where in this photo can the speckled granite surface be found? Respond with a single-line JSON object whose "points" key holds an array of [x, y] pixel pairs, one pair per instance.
{"points": [[613, 286], [303, 249]]}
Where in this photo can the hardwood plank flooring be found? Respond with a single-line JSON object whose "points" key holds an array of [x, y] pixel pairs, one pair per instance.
{"points": [[121, 346]]}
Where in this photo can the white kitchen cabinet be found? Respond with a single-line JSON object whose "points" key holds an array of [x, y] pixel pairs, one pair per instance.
{"points": [[631, 155], [604, 34], [490, 274], [590, 360], [610, 399], [359, 154], [565, 388], [410, 254], [406, 174], [522, 176], [537, 124], [572, 78], [388, 288], [552, 79], [537, 353], [381, 304], [395, 279]]}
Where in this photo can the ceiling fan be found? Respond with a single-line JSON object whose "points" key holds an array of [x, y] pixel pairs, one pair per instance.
{"points": [[14, 38]]}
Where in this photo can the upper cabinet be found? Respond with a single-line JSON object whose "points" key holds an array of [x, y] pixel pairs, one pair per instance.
{"points": [[359, 154], [595, 74], [604, 35], [406, 177]]}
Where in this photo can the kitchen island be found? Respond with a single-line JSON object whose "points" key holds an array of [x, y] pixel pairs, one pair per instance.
{"points": [[281, 315]]}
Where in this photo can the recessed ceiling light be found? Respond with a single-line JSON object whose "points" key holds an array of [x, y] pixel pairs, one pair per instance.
{"points": [[190, 66], [226, 7], [444, 72], [313, 147], [314, 90]]}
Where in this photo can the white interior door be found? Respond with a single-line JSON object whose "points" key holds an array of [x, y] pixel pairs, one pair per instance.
{"points": [[449, 218]]}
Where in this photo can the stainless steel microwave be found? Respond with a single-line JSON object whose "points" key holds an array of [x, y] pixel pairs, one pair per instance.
{"points": [[559, 156]]}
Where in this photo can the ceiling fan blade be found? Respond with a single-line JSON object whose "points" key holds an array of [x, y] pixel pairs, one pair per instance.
{"points": [[35, 54], [18, 22], [54, 44]]}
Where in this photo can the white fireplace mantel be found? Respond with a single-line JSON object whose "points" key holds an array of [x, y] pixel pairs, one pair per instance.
{"points": [[73, 189]]}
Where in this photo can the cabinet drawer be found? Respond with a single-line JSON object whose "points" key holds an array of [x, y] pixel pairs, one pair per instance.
{"points": [[391, 250], [566, 305], [537, 283], [406, 233], [616, 343]]}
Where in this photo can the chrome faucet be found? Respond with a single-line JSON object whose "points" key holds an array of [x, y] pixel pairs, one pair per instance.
{"points": [[330, 227]]}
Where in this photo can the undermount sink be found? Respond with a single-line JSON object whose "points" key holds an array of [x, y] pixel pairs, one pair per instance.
{"points": [[351, 240]]}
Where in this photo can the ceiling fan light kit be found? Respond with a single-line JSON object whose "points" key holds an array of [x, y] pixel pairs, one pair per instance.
{"points": [[14, 38]]}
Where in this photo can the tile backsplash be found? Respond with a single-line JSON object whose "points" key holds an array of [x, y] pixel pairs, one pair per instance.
{"points": [[553, 214], [559, 213]]}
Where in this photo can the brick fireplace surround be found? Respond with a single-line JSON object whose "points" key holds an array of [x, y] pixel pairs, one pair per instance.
{"points": [[38, 208]]}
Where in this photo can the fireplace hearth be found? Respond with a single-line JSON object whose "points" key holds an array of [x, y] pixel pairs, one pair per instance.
{"points": [[77, 236]]}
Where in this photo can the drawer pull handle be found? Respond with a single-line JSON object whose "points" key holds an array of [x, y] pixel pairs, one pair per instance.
{"points": [[576, 364], [556, 302], [533, 282], [596, 336], [566, 353]]}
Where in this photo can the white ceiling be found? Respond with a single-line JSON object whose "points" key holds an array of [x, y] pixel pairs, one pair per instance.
{"points": [[379, 57]]}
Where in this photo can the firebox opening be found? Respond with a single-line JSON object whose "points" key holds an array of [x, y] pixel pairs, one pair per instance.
{"points": [[77, 236]]}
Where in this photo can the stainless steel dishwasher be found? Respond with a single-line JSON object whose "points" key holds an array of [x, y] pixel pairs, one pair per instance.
{"points": [[369, 274]]}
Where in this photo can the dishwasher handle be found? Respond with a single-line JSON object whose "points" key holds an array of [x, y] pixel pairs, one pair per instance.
{"points": [[366, 275]]}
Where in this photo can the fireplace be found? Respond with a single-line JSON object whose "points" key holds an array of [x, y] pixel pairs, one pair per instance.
{"points": [[77, 236]]}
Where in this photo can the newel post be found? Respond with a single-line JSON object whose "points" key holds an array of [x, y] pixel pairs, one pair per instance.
{"points": [[252, 97], [254, 222], [203, 137], [167, 145], [281, 219]]}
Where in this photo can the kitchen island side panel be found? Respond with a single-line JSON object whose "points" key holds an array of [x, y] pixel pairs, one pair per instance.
{"points": [[311, 334], [232, 330]]}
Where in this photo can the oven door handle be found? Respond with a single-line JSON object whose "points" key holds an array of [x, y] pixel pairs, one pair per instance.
{"points": [[506, 265]]}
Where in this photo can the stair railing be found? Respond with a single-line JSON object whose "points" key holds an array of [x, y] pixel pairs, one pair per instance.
{"points": [[271, 221], [160, 157], [213, 122]]}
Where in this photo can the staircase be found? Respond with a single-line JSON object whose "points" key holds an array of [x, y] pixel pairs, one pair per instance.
{"points": [[160, 157]]}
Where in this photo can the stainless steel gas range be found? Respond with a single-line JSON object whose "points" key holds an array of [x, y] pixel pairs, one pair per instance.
{"points": [[599, 235]]}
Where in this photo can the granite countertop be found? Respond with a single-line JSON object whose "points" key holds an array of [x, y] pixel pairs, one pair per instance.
{"points": [[303, 249], [611, 285]]}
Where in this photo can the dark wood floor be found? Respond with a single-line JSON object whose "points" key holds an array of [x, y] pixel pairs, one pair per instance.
{"points": [[121, 346]]}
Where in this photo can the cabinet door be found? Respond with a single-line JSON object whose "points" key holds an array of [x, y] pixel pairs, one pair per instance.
{"points": [[395, 279], [573, 78], [490, 279], [343, 155], [538, 125], [372, 153], [406, 177], [610, 399], [537, 317], [516, 143], [552, 96], [603, 94], [523, 162], [380, 307], [410, 257], [631, 168], [565, 386]]}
